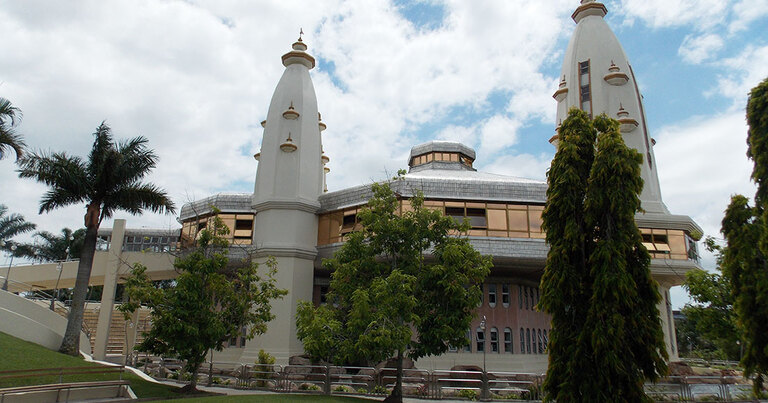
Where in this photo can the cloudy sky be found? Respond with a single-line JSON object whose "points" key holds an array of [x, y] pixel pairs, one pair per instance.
{"points": [[195, 78]]}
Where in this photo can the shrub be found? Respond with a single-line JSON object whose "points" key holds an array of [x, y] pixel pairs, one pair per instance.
{"points": [[308, 386], [379, 390], [470, 394], [264, 365]]}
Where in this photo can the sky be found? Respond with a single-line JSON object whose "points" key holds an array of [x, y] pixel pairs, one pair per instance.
{"points": [[195, 78]]}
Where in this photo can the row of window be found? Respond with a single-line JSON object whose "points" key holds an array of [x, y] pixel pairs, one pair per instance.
{"points": [[532, 341], [527, 297], [438, 156]]}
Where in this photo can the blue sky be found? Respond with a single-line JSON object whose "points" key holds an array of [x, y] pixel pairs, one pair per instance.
{"points": [[195, 77]]}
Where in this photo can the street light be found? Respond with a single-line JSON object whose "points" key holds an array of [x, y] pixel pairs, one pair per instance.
{"points": [[8, 273], [485, 374], [60, 268]]}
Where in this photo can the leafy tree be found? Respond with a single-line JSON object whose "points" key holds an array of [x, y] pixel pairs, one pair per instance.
{"points": [[388, 295], [12, 225], [711, 312], [745, 260], [606, 335], [213, 300], [110, 180], [10, 116], [54, 247]]}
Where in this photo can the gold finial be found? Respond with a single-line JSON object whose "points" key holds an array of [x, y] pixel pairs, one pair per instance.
{"points": [[301, 33]]}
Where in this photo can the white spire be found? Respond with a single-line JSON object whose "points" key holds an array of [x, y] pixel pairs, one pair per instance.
{"points": [[598, 78]]}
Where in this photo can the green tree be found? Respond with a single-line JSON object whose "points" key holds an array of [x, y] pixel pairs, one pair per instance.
{"points": [[10, 226], [745, 260], [52, 247], [712, 312], [388, 294], [10, 116], [212, 301], [606, 335], [110, 180]]}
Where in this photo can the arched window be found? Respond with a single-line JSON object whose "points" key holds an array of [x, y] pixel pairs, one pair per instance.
{"points": [[546, 341], [508, 340], [522, 341], [480, 340], [520, 296], [482, 294], [528, 341], [468, 346], [505, 295], [492, 295], [525, 291], [541, 343], [494, 340]]}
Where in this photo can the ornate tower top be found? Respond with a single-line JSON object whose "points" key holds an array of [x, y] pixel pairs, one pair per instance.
{"points": [[597, 77]]}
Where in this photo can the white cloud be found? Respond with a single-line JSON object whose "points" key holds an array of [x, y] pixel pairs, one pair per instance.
{"points": [[697, 48], [521, 165], [742, 73], [673, 13], [746, 12]]}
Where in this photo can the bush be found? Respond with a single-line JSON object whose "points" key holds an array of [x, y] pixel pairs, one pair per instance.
{"points": [[264, 364], [379, 390], [470, 394], [362, 390], [342, 388], [308, 386]]}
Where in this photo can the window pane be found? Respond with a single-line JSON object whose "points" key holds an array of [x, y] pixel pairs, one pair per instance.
{"points": [[492, 295], [518, 220], [477, 217], [528, 341], [534, 216], [505, 294]]}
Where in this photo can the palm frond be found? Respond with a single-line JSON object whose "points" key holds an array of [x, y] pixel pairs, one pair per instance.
{"points": [[59, 197], [103, 145], [134, 198], [9, 113], [9, 140], [13, 224], [59, 171]]}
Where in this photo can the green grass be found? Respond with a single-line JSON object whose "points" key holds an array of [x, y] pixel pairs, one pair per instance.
{"points": [[18, 354], [271, 398]]}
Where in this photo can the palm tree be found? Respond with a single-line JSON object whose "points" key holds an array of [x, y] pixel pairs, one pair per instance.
{"points": [[10, 116], [54, 247], [10, 226], [111, 179]]}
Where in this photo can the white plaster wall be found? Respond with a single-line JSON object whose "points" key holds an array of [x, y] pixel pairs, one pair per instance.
{"points": [[29, 321]]}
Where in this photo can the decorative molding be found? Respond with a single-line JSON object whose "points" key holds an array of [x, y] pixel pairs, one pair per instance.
{"points": [[310, 206], [588, 9]]}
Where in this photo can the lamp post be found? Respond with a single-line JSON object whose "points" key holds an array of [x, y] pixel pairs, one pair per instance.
{"points": [[60, 268], [485, 374], [8, 273], [741, 349]]}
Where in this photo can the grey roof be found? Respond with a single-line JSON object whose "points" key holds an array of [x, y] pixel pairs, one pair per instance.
{"points": [[441, 146], [447, 184], [229, 202]]}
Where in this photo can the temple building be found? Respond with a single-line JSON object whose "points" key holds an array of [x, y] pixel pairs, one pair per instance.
{"points": [[292, 216]]}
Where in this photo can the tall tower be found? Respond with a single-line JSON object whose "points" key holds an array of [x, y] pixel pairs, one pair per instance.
{"points": [[597, 77], [289, 180]]}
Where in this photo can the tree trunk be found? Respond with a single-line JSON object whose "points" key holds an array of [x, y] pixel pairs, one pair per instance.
{"points": [[397, 392], [70, 344]]}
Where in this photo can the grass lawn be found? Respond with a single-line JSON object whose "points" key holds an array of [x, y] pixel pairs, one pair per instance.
{"points": [[272, 398], [18, 354]]}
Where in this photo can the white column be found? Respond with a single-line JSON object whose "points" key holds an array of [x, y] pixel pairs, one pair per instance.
{"points": [[108, 294]]}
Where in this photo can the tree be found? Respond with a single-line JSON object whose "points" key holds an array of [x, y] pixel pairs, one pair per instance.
{"points": [[711, 312], [110, 180], [745, 260], [212, 301], [54, 247], [10, 116], [606, 334], [11, 226], [389, 295]]}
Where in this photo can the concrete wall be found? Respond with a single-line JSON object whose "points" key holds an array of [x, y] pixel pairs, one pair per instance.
{"points": [[29, 321]]}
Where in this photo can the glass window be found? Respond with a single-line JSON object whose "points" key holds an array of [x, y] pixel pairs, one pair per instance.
{"points": [[518, 220], [522, 341], [541, 342], [468, 346], [482, 295], [546, 341], [520, 296], [528, 340], [477, 217], [323, 294], [508, 340], [505, 295], [492, 295], [525, 291], [480, 340], [494, 340]]}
